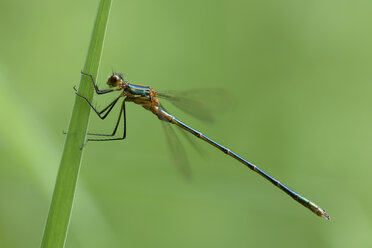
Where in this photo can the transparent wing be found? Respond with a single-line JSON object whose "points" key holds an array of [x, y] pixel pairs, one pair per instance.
{"points": [[177, 151], [202, 103]]}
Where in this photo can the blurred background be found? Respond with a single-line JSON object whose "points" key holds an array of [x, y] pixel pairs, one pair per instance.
{"points": [[299, 74]]}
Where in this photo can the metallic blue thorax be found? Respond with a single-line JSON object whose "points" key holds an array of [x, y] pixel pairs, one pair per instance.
{"points": [[139, 90]]}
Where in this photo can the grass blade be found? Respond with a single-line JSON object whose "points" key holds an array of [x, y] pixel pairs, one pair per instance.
{"points": [[60, 209]]}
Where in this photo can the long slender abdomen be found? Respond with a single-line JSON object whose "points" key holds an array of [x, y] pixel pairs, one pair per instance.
{"points": [[302, 200]]}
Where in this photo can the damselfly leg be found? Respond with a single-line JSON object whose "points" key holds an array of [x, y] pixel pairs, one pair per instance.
{"points": [[98, 91], [107, 109], [99, 113]]}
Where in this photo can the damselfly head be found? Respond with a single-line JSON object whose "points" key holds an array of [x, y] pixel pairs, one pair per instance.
{"points": [[115, 79]]}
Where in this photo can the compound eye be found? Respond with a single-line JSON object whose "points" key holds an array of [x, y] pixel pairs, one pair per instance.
{"points": [[112, 81]]}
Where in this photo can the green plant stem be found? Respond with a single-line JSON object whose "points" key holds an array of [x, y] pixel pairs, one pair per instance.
{"points": [[60, 209]]}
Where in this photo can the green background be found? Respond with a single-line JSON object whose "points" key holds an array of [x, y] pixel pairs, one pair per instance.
{"points": [[299, 77]]}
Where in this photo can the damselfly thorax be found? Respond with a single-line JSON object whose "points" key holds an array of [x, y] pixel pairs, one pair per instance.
{"points": [[136, 93]]}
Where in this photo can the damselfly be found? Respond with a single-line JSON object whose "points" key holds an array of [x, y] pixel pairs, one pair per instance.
{"points": [[149, 99]]}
